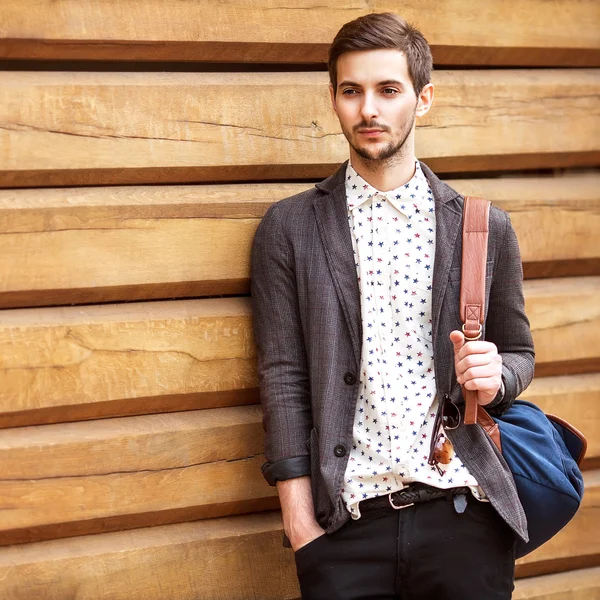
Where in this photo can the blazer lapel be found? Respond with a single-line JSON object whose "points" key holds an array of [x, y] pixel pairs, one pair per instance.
{"points": [[448, 219], [331, 213]]}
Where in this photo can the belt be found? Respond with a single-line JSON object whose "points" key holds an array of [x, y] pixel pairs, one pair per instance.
{"points": [[413, 494]]}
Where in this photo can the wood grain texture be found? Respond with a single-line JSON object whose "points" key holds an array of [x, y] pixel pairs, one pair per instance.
{"points": [[188, 560], [131, 444], [124, 358], [96, 128], [565, 318], [555, 218], [81, 478], [56, 507], [160, 242], [583, 584], [165, 441], [185, 561], [117, 358], [178, 241], [499, 32]]}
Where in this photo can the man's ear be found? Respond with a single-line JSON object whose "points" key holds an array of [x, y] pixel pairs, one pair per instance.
{"points": [[332, 96], [425, 100]]}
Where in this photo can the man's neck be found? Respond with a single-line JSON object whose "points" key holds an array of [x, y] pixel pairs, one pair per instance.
{"points": [[384, 175]]}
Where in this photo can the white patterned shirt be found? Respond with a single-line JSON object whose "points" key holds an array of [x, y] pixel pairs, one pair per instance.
{"points": [[393, 237]]}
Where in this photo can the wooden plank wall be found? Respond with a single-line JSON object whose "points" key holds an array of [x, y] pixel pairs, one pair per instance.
{"points": [[140, 144]]}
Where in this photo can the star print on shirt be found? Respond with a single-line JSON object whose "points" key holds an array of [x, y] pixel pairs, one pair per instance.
{"points": [[399, 248]]}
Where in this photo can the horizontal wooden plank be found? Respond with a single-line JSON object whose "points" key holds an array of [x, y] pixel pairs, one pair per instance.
{"points": [[132, 472], [182, 241], [99, 128], [78, 363], [131, 444], [556, 218], [220, 559], [160, 242], [188, 561], [74, 363], [500, 32], [575, 398], [565, 322], [56, 507], [173, 440], [583, 584]]}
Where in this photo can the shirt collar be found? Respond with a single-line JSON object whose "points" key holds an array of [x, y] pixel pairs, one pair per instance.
{"points": [[404, 198]]}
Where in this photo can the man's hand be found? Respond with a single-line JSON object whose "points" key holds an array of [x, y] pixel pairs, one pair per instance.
{"points": [[305, 535], [299, 521], [478, 367]]}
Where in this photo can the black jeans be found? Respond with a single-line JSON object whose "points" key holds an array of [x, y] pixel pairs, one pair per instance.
{"points": [[426, 551]]}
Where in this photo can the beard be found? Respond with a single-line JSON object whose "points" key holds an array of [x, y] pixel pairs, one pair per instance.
{"points": [[391, 152]]}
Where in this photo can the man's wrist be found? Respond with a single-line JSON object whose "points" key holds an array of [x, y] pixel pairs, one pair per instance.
{"points": [[299, 522], [499, 395], [303, 533]]}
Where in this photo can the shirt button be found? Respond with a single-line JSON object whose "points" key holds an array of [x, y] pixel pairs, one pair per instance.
{"points": [[340, 450], [350, 379]]}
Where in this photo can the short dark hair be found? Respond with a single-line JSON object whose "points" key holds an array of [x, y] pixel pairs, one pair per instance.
{"points": [[379, 31]]}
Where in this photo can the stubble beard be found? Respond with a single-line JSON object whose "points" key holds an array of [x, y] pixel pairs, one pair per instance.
{"points": [[392, 153]]}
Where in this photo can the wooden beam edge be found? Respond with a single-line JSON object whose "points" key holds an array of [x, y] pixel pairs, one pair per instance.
{"points": [[219, 51], [272, 173]]}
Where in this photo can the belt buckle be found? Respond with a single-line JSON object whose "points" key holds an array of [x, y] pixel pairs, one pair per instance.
{"points": [[398, 507]]}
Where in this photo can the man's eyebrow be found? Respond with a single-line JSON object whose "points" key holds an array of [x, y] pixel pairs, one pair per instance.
{"points": [[391, 82], [348, 83]]}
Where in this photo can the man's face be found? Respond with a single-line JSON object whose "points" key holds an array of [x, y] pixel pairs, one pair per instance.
{"points": [[375, 102]]}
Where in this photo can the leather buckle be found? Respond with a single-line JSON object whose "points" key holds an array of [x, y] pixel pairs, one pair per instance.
{"points": [[472, 339], [398, 507]]}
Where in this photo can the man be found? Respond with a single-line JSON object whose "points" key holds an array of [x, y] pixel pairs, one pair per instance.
{"points": [[355, 287]]}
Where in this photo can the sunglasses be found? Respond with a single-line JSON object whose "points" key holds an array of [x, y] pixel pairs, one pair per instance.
{"points": [[447, 418]]}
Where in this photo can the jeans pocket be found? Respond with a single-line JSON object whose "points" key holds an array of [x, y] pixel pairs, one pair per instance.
{"points": [[307, 551]]}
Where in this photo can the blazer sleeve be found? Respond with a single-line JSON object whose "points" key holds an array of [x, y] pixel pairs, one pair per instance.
{"points": [[507, 325], [281, 355]]}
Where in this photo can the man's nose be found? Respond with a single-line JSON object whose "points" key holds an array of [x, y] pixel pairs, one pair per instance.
{"points": [[369, 108]]}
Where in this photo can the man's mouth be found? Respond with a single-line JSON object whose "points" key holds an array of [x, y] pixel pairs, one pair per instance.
{"points": [[371, 132]]}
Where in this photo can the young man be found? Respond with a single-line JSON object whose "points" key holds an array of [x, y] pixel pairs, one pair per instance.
{"points": [[355, 288]]}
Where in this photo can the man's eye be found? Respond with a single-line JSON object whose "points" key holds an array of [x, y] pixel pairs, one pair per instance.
{"points": [[349, 92], [390, 91]]}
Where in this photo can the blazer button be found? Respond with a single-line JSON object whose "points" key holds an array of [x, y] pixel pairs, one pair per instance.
{"points": [[350, 378], [340, 450]]}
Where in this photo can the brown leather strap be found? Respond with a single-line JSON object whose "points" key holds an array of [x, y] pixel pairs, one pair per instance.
{"points": [[472, 309], [476, 214], [489, 426], [576, 433]]}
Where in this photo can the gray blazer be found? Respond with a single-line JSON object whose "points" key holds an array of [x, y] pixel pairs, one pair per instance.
{"points": [[307, 326]]}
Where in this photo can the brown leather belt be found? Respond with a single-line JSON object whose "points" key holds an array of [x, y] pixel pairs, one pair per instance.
{"points": [[413, 494]]}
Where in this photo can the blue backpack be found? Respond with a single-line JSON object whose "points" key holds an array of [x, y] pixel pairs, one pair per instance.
{"points": [[543, 453]]}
